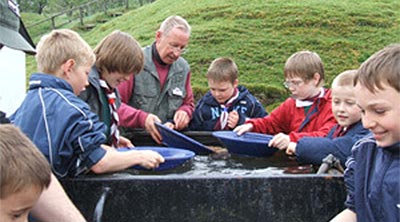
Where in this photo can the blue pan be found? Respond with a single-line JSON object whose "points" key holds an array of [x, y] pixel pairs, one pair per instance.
{"points": [[174, 157], [173, 138], [249, 144]]}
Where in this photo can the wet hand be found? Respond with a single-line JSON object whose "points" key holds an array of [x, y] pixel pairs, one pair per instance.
{"points": [[150, 159], [243, 128], [151, 127]]}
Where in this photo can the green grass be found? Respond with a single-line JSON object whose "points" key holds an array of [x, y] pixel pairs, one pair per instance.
{"points": [[260, 35]]}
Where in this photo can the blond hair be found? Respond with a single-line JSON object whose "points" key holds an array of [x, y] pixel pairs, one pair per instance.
{"points": [[22, 165], [223, 69], [383, 67], [345, 78], [304, 64], [57, 47], [119, 52], [174, 21]]}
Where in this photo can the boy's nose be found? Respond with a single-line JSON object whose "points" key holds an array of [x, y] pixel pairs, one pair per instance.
{"points": [[367, 121]]}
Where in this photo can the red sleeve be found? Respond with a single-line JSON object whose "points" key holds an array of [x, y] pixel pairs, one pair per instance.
{"points": [[278, 120], [188, 101], [129, 116]]}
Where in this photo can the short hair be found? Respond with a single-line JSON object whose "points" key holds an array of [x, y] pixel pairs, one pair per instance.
{"points": [[383, 67], [119, 52], [345, 78], [304, 64], [223, 69], [174, 21], [22, 165], [55, 48]]}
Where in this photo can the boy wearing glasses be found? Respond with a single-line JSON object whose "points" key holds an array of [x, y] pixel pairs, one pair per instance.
{"points": [[342, 136], [307, 112], [226, 105]]}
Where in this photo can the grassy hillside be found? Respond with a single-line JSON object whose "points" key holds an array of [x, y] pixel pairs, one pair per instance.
{"points": [[260, 35]]}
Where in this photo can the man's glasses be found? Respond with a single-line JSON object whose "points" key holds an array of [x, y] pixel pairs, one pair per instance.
{"points": [[178, 49], [288, 84]]}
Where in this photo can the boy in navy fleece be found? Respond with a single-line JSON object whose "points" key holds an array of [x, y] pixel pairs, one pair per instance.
{"points": [[59, 123], [343, 135], [226, 105], [373, 170]]}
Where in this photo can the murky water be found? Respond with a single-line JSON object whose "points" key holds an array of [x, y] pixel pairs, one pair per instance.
{"points": [[214, 165]]}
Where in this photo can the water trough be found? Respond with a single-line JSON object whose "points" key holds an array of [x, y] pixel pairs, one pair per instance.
{"points": [[209, 189]]}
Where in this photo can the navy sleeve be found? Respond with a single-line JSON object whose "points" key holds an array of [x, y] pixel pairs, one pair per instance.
{"points": [[349, 181], [198, 122], [313, 149]]}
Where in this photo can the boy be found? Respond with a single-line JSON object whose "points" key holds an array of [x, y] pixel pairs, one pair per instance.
{"points": [[59, 123], [343, 135], [24, 174], [307, 112], [118, 57], [226, 105], [372, 174]]}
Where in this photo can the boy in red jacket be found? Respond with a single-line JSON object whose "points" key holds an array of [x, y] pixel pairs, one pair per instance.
{"points": [[307, 112]]}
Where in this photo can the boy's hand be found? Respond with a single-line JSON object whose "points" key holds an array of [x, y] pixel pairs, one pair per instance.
{"points": [[233, 119], [280, 141], [151, 127], [150, 159], [124, 142], [291, 150], [181, 119], [243, 128]]}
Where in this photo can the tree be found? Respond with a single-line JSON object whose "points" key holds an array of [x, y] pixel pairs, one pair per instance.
{"points": [[35, 6]]}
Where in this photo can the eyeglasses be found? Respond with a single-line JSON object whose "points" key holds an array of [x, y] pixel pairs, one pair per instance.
{"points": [[178, 49], [288, 84]]}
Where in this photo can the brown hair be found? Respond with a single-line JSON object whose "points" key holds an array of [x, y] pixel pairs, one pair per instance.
{"points": [[119, 52], [345, 78], [22, 165], [304, 64], [383, 67], [223, 69], [57, 47]]}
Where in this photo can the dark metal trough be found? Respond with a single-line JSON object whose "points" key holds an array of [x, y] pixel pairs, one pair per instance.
{"points": [[181, 196]]}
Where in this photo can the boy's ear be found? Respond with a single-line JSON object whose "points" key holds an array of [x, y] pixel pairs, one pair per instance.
{"points": [[68, 66], [316, 78], [235, 83]]}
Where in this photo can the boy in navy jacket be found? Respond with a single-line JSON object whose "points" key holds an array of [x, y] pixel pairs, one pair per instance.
{"points": [[59, 123], [372, 174], [226, 105], [343, 135]]}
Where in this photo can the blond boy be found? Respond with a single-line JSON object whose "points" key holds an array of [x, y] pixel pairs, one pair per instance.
{"points": [[59, 123]]}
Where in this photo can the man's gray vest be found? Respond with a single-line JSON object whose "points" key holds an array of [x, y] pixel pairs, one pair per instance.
{"points": [[147, 94]]}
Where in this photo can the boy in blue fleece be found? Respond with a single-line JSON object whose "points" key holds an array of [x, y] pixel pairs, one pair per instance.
{"points": [[226, 105], [59, 123], [372, 176], [343, 135]]}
